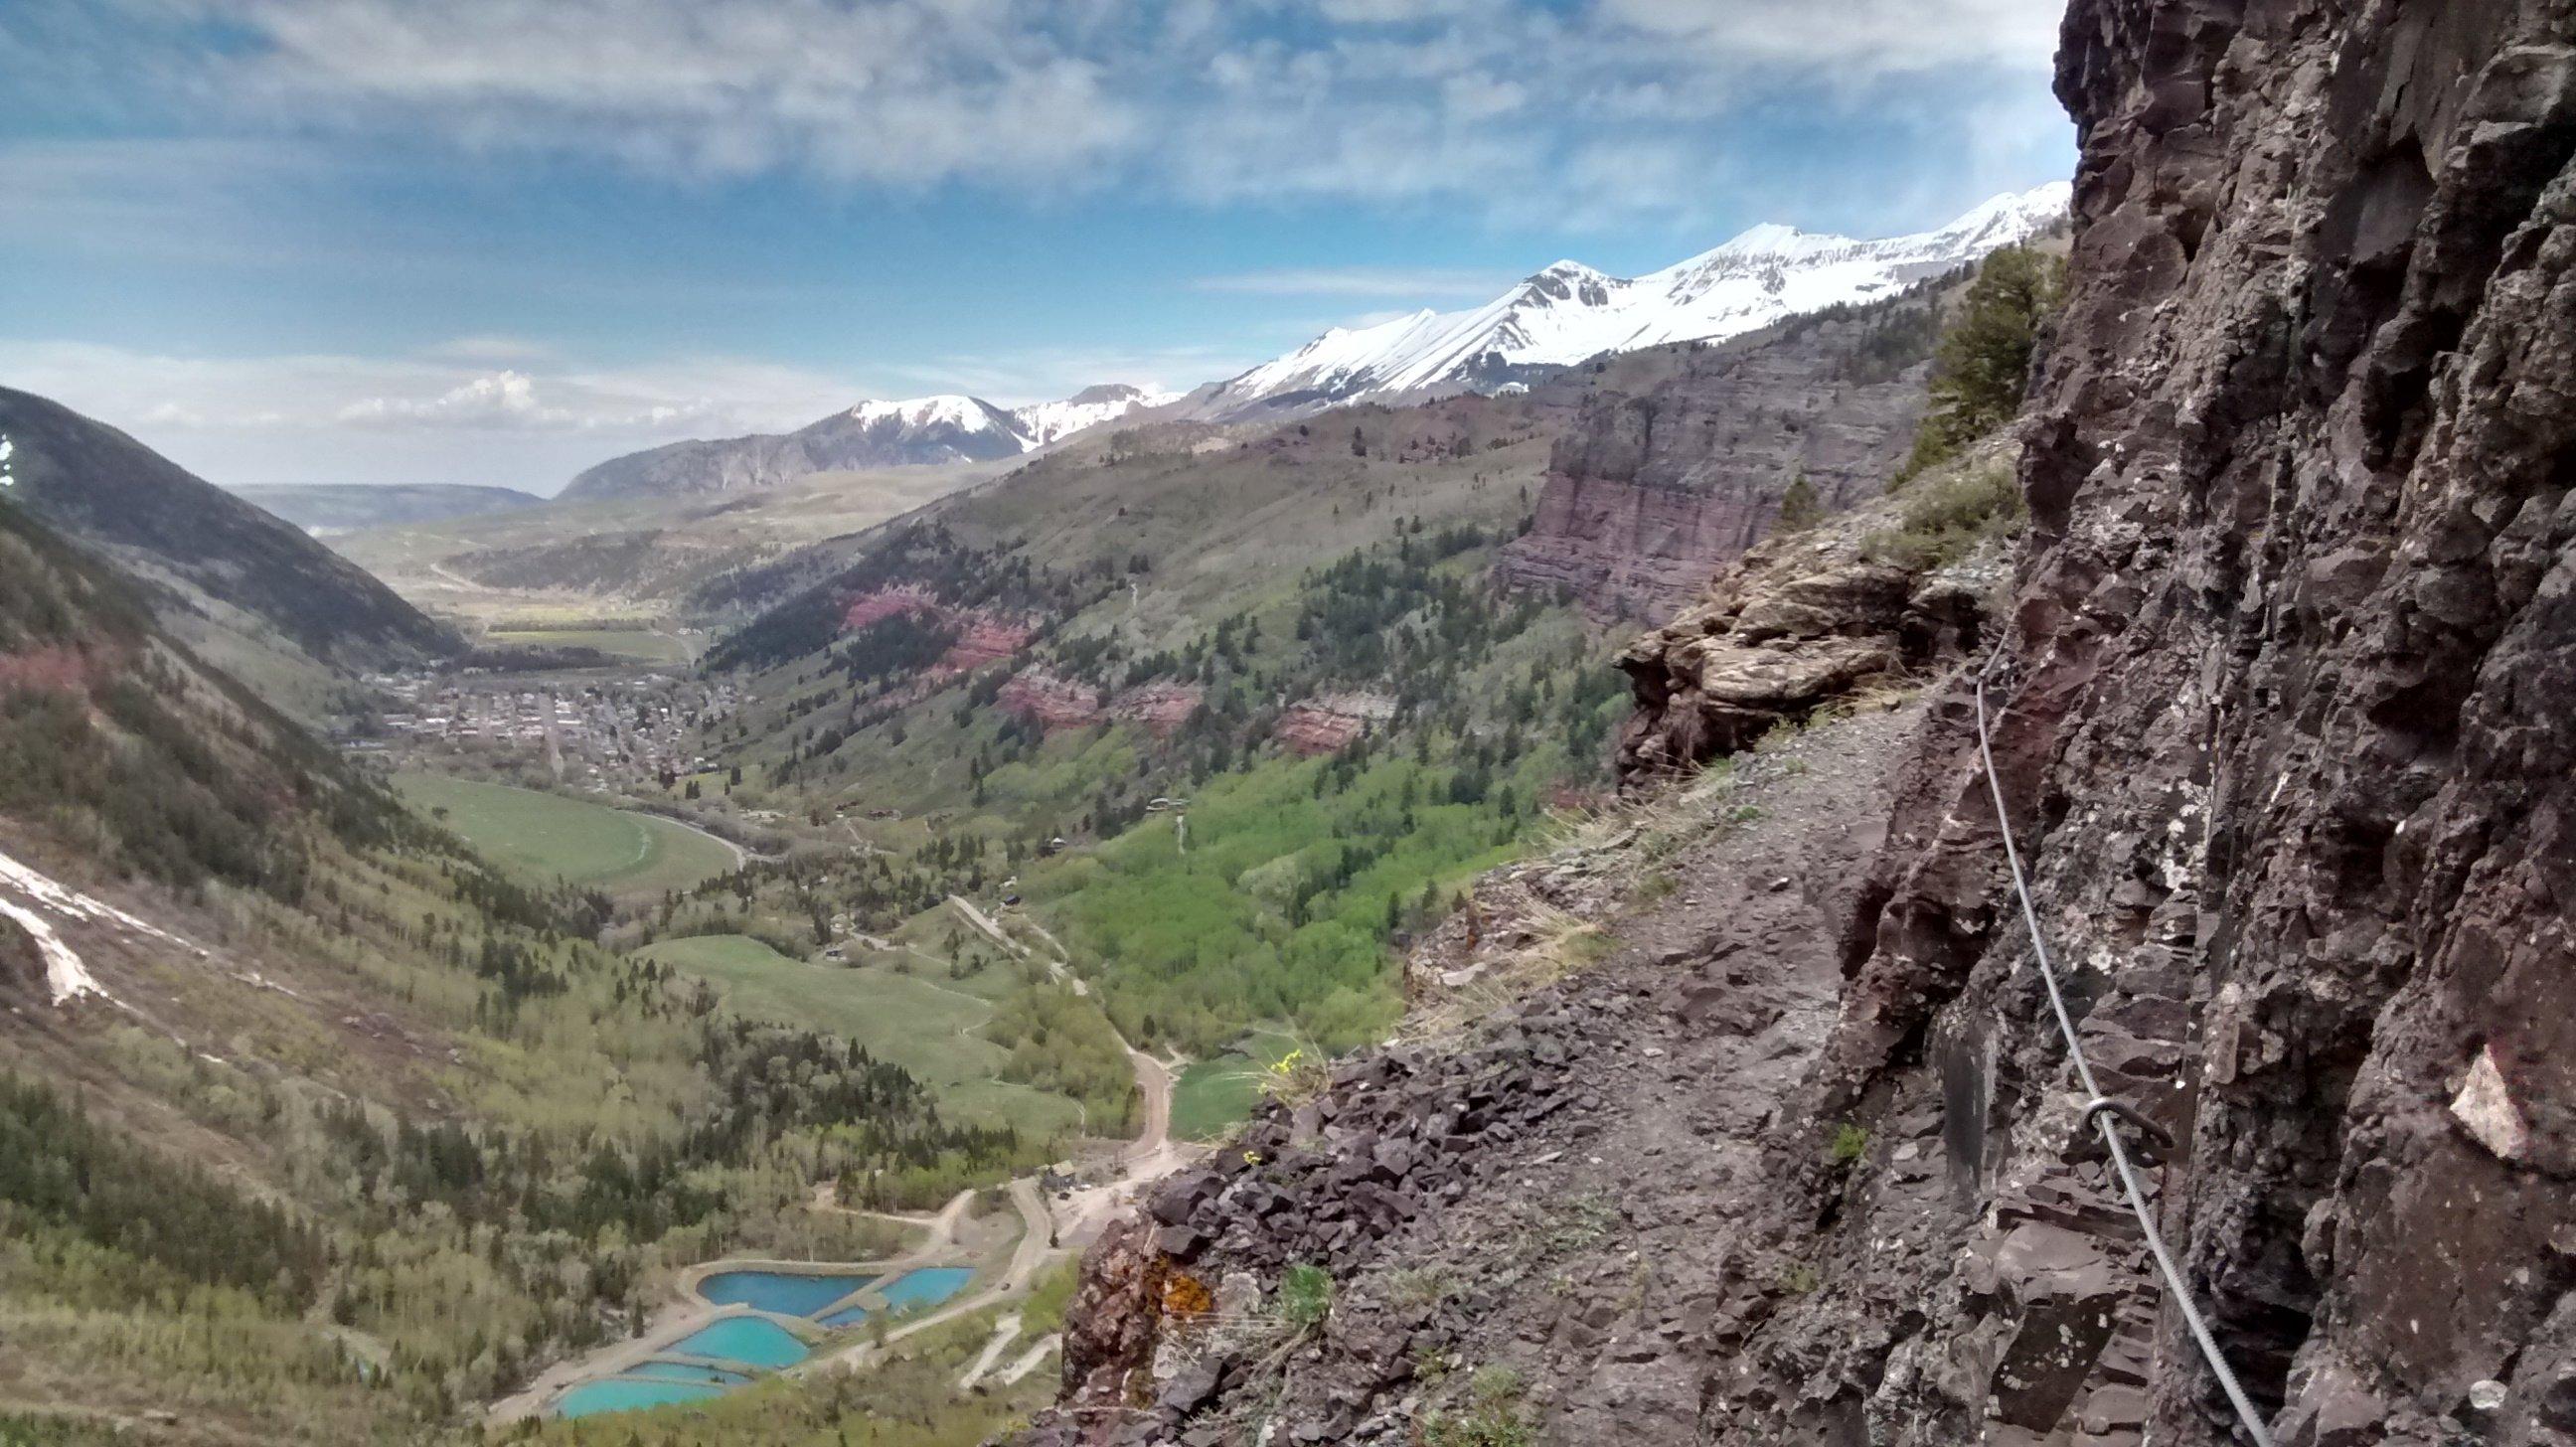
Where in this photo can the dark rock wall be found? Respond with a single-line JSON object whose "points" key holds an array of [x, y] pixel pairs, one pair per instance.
{"points": [[2292, 735]]}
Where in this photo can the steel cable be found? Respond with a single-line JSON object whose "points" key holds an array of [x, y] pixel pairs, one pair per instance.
{"points": [[2099, 1109]]}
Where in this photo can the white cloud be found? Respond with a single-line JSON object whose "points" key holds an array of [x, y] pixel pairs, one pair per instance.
{"points": [[1853, 39], [490, 347], [332, 418], [1443, 102], [1388, 12], [904, 92]]}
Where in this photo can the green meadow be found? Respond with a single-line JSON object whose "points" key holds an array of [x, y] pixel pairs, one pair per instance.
{"points": [[926, 1026], [546, 837]]}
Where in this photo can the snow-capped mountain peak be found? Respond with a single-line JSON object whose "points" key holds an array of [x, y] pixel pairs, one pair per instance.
{"points": [[931, 420], [965, 413], [1568, 312], [1045, 422], [1770, 238]]}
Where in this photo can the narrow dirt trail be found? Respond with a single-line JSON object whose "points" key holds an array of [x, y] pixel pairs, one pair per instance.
{"points": [[1628, 1230], [985, 925], [1028, 1362], [1154, 1083], [1005, 1331]]}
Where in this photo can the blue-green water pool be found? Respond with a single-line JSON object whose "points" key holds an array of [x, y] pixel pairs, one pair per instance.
{"points": [[927, 1287], [746, 1339], [787, 1293], [626, 1394]]}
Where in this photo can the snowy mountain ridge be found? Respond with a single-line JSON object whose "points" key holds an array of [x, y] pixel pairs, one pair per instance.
{"points": [[914, 432], [1568, 312], [1032, 426]]}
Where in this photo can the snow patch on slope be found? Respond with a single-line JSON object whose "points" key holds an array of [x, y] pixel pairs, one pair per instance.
{"points": [[67, 977]]}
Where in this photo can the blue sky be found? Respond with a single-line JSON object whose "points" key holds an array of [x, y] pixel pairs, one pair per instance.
{"points": [[497, 240]]}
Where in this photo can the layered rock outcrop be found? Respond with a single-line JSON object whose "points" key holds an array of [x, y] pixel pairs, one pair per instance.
{"points": [[1054, 702], [1330, 722], [1161, 707], [1649, 493], [1802, 622]]}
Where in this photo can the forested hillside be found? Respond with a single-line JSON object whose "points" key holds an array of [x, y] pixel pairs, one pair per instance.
{"points": [[315, 1129], [214, 568]]}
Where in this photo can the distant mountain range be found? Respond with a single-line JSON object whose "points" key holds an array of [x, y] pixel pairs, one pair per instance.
{"points": [[1569, 313], [1562, 315], [922, 431], [342, 507]]}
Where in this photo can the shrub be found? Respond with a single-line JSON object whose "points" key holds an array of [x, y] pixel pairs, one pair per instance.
{"points": [[1296, 1077], [1800, 507], [1944, 520], [1305, 1297], [1492, 1415], [1850, 1143]]}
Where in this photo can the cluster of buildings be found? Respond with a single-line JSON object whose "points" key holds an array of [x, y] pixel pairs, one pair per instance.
{"points": [[648, 726]]}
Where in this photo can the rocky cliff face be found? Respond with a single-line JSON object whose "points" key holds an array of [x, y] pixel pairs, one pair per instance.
{"points": [[1650, 492], [2286, 734], [2289, 732], [1331, 722]]}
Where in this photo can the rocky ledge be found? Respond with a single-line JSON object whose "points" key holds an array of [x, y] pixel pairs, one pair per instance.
{"points": [[2286, 736], [1803, 621]]}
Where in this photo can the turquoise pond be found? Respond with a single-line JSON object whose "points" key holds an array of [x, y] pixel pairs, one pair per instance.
{"points": [[746, 1339], [788, 1293], [927, 1287], [625, 1394]]}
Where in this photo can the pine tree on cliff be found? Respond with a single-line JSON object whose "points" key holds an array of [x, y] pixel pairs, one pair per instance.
{"points": [[1982, 365], [1799, 505]]}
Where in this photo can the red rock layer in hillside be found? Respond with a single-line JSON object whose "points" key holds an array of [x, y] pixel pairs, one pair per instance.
{"points": [[1161, 707], [901, 600], [981, 640], [1331, 722], [60, 670], [1056, 703]]}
